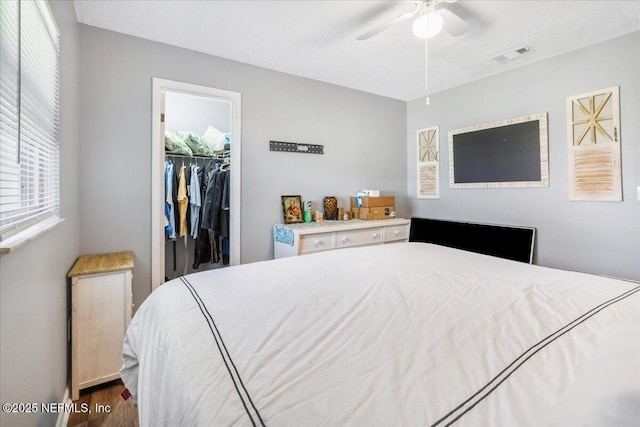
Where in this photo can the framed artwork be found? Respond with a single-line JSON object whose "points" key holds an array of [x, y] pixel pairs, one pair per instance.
{"points": [[593, 130], [292, 209], [504, 154], [428, 172]]}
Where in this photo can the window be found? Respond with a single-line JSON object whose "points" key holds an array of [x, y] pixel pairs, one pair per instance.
{"points": [[29, 119]]}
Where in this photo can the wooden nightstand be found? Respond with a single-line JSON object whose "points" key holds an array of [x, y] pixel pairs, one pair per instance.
{"points": [[100, 314]]}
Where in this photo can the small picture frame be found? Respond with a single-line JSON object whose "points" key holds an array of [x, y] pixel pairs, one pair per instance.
{"points": [[292, 209]]}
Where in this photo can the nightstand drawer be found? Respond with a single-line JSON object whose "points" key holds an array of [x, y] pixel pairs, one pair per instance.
{"points": [[396, 232], [368, 236], [316, 242]]}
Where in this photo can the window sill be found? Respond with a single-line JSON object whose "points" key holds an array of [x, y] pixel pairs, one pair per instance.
{"points": [[14, 242]]}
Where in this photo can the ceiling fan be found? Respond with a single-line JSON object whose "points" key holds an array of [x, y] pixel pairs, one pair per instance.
{"points": [[432, 17]]}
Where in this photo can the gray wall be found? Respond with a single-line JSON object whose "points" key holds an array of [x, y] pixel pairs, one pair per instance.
{"points": [[596, 237], [33, 285], [363, 135]]}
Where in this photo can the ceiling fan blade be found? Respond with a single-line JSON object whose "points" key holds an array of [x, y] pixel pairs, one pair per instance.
{"points": [[453, 24], [389, 24]]}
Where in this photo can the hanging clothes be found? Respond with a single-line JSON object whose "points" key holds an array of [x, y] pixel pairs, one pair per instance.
{"points": [[225, 205], [183, 201], [187, 177], [171, 203], [221, 182], [194, 201], [212, 221], [167, 212], [197, 204], [173, 180], [208, 219], [224, 218], [223, 178], [202, 252], [168, 196]]}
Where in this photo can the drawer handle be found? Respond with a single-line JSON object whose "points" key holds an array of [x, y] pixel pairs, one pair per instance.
{"points": [[345, 239], [375, 236], [317, 243], [397, 232]]}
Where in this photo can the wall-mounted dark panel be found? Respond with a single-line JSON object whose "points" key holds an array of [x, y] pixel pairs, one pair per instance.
{"points": [[510, 153], [501, 154]]}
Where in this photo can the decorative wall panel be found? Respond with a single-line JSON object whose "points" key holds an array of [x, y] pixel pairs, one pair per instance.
{"points": [[593, 129], [428, 186]]}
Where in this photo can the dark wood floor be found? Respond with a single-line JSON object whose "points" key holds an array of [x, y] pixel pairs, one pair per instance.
{"points": [[121, 413]]}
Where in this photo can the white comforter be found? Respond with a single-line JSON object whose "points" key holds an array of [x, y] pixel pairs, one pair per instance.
{"points": [[392, 335]]}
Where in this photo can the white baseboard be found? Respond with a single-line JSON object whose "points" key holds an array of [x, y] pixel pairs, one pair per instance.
{"points": [[63, 416]]}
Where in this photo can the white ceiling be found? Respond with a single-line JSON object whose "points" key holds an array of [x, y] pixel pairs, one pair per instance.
{"points": [[317, 39]]}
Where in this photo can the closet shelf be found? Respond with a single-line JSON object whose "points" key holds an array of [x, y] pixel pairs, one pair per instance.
{"points": [[198, 156]]}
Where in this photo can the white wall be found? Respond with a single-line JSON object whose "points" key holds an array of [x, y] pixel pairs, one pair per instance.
{"points": [[363, 136], [195, 114], [34, 290], [597, 237]]}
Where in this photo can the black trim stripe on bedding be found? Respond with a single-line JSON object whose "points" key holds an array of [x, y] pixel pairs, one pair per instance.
{"points": [[460, 410], [226, 357]]}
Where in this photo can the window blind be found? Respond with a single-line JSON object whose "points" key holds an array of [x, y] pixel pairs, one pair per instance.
{"points": [[29, 115]]}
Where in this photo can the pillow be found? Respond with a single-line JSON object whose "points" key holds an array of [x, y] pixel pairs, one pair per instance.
{"points": [[214, 138], [176, 144], [196, 143]]}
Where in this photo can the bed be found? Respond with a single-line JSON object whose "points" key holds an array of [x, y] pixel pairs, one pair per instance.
{"points": [[402, 334]]}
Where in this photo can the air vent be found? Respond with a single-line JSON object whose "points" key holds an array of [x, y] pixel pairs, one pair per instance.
{"points": [[512, 54]]}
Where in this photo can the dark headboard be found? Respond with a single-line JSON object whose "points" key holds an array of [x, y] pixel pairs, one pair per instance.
{"points": [[515, 243]]}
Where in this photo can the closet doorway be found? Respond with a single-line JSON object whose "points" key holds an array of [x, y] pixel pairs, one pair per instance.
{"points": [[212, 116]]}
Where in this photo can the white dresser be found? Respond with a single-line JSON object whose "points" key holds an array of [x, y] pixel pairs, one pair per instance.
{"points": [[100, 314], [298, 239]]}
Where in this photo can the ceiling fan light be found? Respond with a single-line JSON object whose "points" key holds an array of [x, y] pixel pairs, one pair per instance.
{"points": [[427, 25]]}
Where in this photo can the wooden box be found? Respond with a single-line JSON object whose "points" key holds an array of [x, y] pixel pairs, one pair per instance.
{"points": [[382, 212], [374, 202]]}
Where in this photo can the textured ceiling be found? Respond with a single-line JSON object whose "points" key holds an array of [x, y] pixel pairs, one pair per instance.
{"points": [[317, 39]]}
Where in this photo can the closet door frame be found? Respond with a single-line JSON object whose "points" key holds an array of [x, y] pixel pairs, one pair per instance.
{"points": [[160, 86]]}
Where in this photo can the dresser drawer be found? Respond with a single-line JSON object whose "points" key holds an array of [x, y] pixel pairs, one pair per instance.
{"points": [[368, 236], [316, 242], [396, 232], [317, 237]]}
